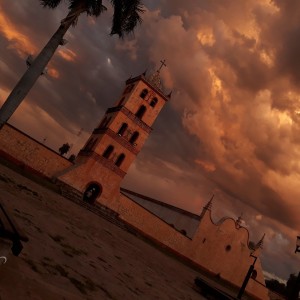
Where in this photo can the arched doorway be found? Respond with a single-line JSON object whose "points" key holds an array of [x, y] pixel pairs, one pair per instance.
{"points": [[91, 193]]}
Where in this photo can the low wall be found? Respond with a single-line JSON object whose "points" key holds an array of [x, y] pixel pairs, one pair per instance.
{"points": [[24, 151], [201, 250]]}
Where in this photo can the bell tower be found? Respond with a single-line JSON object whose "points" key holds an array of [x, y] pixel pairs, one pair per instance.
{"points": [[114, 144]]}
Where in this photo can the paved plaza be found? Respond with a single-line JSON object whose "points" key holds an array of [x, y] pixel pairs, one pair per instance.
{"points": [[74, 254]]}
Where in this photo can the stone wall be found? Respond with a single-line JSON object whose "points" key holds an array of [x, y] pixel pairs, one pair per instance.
{"points": [[24, 151]]}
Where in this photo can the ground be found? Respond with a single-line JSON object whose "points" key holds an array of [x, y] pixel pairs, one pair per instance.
{"points": [[74, 254]]}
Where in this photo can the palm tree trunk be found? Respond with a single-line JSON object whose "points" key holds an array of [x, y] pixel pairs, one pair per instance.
{"points": [[27, 81]]}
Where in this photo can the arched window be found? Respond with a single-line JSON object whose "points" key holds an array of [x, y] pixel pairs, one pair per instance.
{"points": [[122, 129], [144, 93], [120, 159], [141, 111], [153, 102], [108, 151], [134, 137]]}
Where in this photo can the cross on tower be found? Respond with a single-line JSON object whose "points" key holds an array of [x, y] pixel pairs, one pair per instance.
{"points": [[163, 64]]}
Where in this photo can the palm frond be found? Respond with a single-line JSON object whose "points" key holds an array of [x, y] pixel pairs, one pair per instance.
{"points": [[126, 16], [95, 7], [91, 7], [126, 12], [50, 3]]}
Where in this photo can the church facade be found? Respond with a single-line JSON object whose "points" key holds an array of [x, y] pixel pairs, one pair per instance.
{"points": [[222, 248]]}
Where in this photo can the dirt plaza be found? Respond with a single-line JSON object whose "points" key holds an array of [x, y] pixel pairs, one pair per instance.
{"points": [[74, 254]]}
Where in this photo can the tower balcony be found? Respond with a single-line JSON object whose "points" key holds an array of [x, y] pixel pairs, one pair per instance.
{"points": [[108, 163], [131, 116], [119, 139]]}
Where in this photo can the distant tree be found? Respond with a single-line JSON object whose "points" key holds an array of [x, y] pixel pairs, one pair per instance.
{"points": [[292, 287], [72, 157], [125, 19], [275, 286], [64, 149]]}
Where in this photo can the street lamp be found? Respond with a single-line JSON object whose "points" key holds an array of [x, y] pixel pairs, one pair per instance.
{"points": [[250, 272], [296, 290], [297, 244]]}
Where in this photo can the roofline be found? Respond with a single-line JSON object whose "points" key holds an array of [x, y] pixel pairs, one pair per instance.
{"points": [[174, 208]]}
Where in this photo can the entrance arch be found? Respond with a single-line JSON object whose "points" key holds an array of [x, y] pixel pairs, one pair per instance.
{"points": [[91, 193]]}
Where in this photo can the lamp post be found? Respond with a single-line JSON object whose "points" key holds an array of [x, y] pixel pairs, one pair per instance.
{"points": [[249, 273], [297, 285], [297, 244]]}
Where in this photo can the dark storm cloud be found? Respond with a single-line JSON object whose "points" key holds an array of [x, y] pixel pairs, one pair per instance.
{"points": [[232, 126]]}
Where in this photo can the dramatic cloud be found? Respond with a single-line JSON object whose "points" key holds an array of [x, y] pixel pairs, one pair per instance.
{"points": [[232, 127]]}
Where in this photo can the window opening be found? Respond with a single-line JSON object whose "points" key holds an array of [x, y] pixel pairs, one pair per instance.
{"points": [[108, 151], [122, 129], [120, 159], [153, 102], [144, 93], [140, 113], [134, 137]]}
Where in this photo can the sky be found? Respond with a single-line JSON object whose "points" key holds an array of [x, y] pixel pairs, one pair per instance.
{"points": [[231, 128]]}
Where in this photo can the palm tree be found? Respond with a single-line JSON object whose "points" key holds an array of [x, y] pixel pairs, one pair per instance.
{"points": [[125, 19]]}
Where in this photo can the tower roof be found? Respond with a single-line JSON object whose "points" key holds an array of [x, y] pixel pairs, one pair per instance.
{"points": [[260, 242], [153, 80]]}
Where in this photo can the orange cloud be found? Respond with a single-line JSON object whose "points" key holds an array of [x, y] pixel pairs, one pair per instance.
{"points": [[53, 73], [207, 166], [3, 95], [67, 54], [19, 42]]}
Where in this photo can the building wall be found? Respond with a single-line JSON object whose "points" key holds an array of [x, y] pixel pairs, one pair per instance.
{"points": [[178, 218], [25, 151], [208, 247], [223, 249], [80, 175]]}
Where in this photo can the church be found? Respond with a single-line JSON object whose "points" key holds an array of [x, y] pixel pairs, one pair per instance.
{"points": [[222, 249]]}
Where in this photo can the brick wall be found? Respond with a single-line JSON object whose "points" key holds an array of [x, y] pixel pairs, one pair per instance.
{"points": [[29, 153]]}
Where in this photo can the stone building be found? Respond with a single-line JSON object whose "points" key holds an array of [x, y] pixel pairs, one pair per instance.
{"points": [[221, 249]]}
